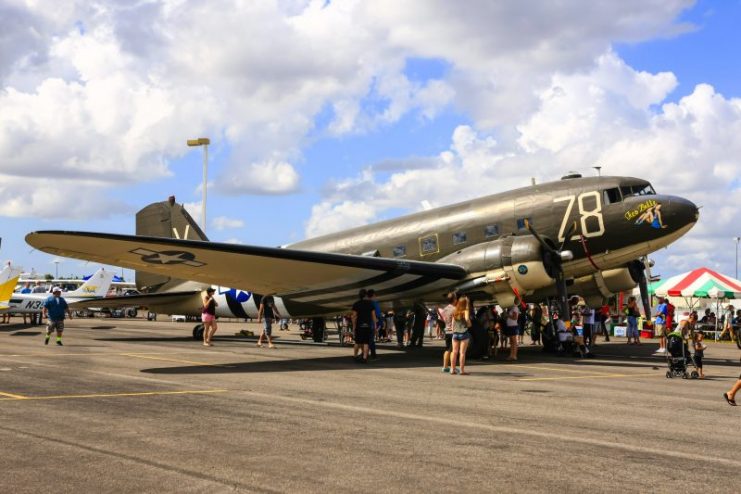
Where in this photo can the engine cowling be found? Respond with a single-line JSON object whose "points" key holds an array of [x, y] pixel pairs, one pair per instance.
{"points": [[603, 284], [518, 259]]}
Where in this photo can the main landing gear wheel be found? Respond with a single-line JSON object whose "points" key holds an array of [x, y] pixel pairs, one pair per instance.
{"points": [[198, 332]]}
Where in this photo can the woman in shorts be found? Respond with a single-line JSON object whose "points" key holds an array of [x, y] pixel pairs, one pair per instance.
{"points": [[208, 316], [461, 336]]}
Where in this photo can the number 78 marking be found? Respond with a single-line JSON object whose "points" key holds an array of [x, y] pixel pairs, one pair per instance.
{"points": [[584, 215]]}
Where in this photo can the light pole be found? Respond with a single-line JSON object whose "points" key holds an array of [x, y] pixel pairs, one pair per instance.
{"points": [[599, 170], [203, 141], [56, 268], [737, 239]]}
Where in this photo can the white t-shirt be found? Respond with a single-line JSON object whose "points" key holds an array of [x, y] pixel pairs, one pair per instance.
{"points": [[513, 315], [448, 312], [589, 317]]}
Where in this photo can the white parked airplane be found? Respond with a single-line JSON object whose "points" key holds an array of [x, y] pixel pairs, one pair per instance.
{"points": [[95, 287]]}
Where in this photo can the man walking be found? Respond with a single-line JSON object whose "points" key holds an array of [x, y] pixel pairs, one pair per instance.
{"points": [[55, 307], [266, 314]]}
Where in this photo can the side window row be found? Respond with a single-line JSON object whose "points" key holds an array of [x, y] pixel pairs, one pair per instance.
{"points": [[428, 245]]}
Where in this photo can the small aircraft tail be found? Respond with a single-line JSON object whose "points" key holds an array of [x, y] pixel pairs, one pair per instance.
{"points": [[169, 220], [95, 286], [8, 280]]}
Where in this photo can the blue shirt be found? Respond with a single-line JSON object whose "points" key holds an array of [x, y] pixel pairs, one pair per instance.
{"points": [[661, 313], [56, 307], [377, 310]]}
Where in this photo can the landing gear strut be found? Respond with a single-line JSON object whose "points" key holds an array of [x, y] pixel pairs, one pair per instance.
{"points": [[198, 332]]}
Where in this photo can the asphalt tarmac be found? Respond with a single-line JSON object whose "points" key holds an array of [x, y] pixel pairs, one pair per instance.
{"points": [[137, 406]]}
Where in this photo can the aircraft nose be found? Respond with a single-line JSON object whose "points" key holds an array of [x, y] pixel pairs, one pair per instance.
{"points": [[682, 211]]}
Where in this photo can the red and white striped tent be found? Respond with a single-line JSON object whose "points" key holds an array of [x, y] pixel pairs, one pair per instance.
{"points": [[698, 283]]}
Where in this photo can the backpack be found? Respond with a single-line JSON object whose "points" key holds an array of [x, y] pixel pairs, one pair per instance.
{"points": [[670, 310]]}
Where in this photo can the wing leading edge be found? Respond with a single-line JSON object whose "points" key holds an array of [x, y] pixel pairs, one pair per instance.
{"points": [[260, 269]]}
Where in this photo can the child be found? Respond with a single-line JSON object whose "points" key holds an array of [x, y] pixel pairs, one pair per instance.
{"points": [[699, 352]]}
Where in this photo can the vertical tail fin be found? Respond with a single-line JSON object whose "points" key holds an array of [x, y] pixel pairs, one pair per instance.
{"points": [[95, 286], [8, 280], [169, 220]]}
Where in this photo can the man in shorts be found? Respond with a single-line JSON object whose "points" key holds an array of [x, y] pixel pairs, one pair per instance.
{"points": [[268, 311], [512, 331], [446, 314], [54, 309], [363, 322], [660, 328]]}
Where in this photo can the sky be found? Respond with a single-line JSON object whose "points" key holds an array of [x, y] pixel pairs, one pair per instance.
{"points": [[324, 115]]}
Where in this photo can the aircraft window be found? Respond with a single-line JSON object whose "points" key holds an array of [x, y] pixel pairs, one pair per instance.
{"points": [[521, 223], [459, 238], [647, 191], [428, 245], [491, 231], [400, 251], [612, 196], [637, 190]]}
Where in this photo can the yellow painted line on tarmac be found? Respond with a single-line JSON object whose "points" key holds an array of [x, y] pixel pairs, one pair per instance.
{"points": [[558, 369], [589, 376], [12, 396], [98, 354], [112, 395], [180, 361]]}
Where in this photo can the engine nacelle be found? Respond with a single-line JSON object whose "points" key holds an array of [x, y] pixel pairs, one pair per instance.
{"points": [[603, 284], [519, 259]]}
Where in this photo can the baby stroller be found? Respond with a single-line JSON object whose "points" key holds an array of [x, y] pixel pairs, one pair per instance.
{"points": [[677, 357]]}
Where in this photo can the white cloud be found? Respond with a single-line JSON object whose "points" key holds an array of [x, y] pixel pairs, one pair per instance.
{"points": [[607, 115], [267, 177], [102, 89], [224, 223]]}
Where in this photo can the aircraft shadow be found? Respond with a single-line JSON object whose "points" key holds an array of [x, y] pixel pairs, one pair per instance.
{"points": [[26, 333], [424, 357]]}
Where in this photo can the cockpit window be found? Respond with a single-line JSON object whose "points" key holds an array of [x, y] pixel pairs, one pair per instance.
{"points": [[612, 196], [637, 190]]}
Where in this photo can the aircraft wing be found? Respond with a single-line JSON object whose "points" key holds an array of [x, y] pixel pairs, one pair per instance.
{"points": [[264, 270], [142, 300]]}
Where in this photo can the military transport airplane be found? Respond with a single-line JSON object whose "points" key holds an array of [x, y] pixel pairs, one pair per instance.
{"points": [[95, 288], [589, 233]]}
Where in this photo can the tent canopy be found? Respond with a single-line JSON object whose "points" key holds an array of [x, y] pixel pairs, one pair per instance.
{"points": [[698, 283]]}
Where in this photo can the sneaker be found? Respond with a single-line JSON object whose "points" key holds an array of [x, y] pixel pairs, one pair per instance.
{"points": [[59, 343], [271, 346], [446, 369], [46, 341]]}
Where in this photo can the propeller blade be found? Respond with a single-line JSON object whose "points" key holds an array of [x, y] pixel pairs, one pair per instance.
{"points": [[569, 233], [638, 273]]}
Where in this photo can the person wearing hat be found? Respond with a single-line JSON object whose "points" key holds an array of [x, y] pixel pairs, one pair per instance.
{"points": [[55, 307], [208, 316]]}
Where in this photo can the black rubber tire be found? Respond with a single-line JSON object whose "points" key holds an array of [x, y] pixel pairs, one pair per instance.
{"points": [[131, 312], [318, 327], [198, 332], [695, 375]]}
